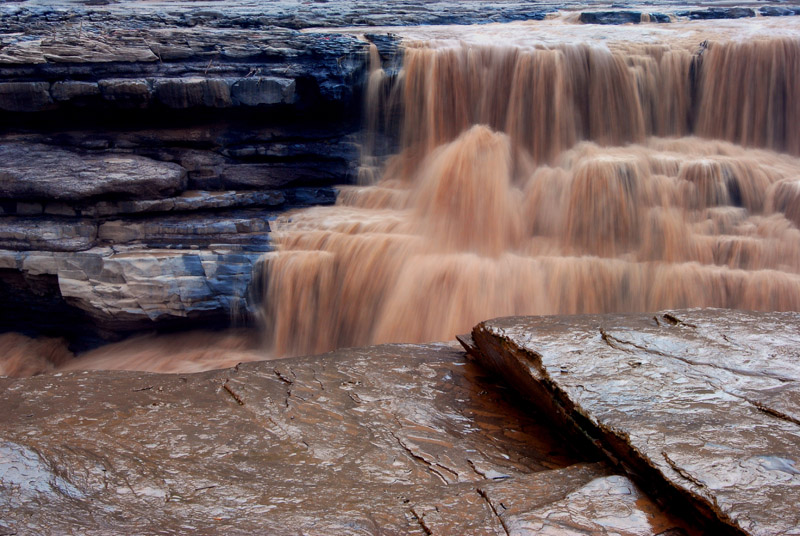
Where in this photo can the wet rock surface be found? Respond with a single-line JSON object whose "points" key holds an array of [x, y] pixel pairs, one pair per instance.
{"points": [[703, 401], [123, 289], [395, 439]]}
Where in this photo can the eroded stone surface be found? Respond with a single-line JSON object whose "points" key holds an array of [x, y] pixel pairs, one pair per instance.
{"points": [[34, 171], [706, 401], [400, 439], [125, 289]]}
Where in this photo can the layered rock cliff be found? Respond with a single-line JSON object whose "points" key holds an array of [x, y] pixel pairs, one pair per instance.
{"points": [[143, 155]]}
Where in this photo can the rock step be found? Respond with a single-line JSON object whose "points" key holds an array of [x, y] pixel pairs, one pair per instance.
{"points": [[32, 233], [704, 404], [98, 66]]}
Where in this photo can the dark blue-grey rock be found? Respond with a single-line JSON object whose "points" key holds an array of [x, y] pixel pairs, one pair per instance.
{"points": [[778, 11], [263, 90], [126, 92], [719, 13], [71, 90], [25, 96], [611, 17], [36, 171], [182, 93]]}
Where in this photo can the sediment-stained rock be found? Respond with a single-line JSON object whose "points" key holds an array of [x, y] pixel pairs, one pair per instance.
{"points": [[396, 439], [704, 402]]}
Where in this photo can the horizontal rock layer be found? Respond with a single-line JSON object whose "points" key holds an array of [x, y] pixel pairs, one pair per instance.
{"points": [[703, 402], [394, 439]]}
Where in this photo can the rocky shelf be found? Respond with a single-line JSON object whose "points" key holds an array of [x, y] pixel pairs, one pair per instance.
{"points": [[679, 423], [701, 404], [398, 439]]}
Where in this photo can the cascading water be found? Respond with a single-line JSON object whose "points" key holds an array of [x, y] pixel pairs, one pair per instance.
{"points": [[554, 179], [657, 170]]}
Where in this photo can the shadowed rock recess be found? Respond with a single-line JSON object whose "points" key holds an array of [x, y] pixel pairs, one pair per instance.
{"points": [[701, 403]]}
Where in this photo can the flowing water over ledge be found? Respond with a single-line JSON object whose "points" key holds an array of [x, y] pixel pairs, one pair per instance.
{"points": [[539, 168], [539, 176]]}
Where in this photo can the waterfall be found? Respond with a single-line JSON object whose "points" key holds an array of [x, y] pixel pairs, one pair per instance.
{"points": [[559, 179]]}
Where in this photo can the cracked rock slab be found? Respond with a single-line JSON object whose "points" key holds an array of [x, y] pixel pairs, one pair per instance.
{"points": [[397, 439], [704, 402]]}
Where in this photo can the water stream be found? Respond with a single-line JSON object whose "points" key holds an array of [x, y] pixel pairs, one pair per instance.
{"points": [[555, 178]]}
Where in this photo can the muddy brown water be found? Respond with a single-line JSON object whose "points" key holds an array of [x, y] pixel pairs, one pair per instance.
{"points": [[544, 168], [549, 176]]}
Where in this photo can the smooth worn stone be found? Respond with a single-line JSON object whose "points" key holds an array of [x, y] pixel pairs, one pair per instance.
{"points": [[396, 439], [705, 403], [35, 171]]}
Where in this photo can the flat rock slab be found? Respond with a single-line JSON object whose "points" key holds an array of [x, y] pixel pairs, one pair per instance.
{"points": [[34, 171], [705, 401], [400, 439]]}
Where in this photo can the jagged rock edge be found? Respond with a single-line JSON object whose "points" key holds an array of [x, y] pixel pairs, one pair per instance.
{"points": [[523, 370]]}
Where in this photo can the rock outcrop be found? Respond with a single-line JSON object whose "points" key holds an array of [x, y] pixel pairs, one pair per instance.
{"points": [[702, 404], [143, 155], [396, 439]]}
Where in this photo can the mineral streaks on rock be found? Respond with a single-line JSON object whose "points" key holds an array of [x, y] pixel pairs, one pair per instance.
{"points": [[132, 288], [396, 439], [705, 401]]}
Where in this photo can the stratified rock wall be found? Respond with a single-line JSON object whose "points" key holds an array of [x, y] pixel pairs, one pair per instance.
{"points": [[142, 156]]}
